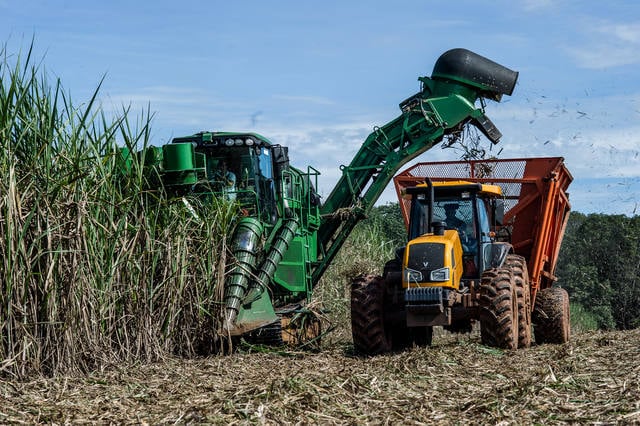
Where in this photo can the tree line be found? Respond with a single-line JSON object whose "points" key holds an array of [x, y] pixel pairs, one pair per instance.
{"points": [[599, 265]]}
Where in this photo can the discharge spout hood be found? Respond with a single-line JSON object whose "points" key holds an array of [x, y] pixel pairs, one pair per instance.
{"points": [[469, 68]]}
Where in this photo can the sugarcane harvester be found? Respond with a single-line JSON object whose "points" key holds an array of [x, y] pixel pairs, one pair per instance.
{"points": [[285, 237]]}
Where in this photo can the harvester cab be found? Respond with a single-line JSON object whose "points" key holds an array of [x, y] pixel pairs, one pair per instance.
{"points": [[242, 167]]}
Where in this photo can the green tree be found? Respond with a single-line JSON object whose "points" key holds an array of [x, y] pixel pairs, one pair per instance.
{"points": [[387, 219], [599, 264]]}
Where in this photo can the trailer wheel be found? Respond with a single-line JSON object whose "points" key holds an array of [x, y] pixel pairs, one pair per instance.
{"points": [[368, 328], [499, 309], [551, 316], [518, 267]]}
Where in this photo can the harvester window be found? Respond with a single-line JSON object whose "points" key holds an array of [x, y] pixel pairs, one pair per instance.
{"points": [[266, 185], [221, 176]]}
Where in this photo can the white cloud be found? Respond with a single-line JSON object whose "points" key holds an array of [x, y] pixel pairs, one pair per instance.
{"points": [[598, 136], [624, 32], [160, 96], [604, 55], [608, 45]]}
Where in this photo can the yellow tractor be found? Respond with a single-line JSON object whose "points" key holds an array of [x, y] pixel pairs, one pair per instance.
{"points": [[467, 261]]}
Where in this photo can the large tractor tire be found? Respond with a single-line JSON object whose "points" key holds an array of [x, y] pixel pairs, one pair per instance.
{"points": [[551, 317], [421, 336], [368, 328], [518, 266], [403, 337], [499, 309]]}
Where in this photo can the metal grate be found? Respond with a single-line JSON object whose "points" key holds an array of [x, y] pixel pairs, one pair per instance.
{"points": [[486, 171]]}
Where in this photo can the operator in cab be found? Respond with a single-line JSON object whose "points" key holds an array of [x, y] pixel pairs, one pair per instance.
{"points": [[453, 221], [227, 178]]}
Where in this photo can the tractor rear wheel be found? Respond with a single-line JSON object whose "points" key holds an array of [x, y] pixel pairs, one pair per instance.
{"points": [[551, 316], [499, 309], [368, 328], [518, 267]]}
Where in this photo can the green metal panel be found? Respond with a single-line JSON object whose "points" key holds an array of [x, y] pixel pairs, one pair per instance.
{"points": [[178, 157], [181, 165], [291, 272], [258, 314]]}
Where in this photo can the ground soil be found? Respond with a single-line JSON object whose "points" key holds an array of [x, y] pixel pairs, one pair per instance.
{"points": [[595, 378]]}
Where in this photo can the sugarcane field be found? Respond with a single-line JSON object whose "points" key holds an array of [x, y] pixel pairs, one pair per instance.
{"points": [[290, 214]]}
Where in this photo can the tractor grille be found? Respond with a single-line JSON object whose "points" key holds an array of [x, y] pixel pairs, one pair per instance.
{"points": [[425, 257], [422, 295]]}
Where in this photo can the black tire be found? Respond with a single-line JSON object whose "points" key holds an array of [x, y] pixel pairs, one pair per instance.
{"points": [[499, 309], [368, 328], [269, 335], [422, 336], [403, 337], [551, 316], [518, 266]]}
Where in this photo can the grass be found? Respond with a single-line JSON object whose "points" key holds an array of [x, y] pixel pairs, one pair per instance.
{"points": [[92, 272], [98, 268], [365, 252]]}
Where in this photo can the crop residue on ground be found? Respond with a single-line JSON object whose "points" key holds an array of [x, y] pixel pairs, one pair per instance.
{"points": [[594, 378]]}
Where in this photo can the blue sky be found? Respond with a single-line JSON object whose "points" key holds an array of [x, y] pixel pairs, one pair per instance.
{"points": [[318, 76]]}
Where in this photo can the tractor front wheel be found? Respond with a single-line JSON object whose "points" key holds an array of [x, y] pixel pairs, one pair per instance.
{"points": [[368, 328], [499, 309]]}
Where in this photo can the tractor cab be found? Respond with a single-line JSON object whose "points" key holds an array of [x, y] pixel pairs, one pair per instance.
{"points": [[468, 209]]}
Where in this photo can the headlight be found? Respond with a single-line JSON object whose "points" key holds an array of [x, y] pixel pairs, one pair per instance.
{"points": [[413, 275], [441, 274], [228, 142]]}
